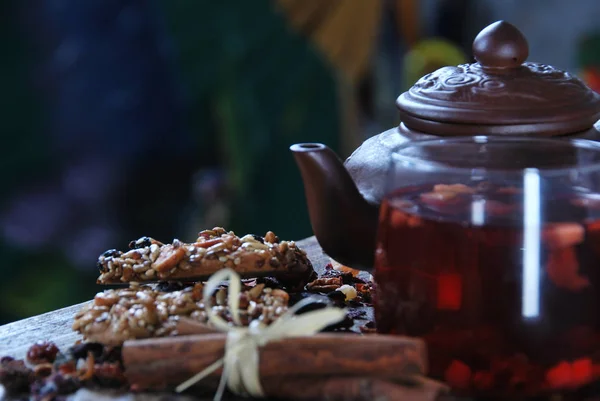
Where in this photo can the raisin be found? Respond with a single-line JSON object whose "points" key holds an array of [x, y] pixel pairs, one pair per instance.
{"points": [[44, 390], [345, 325], [140, 243], [244, 301], [15, 376], [42, 352], [337, 298], [80, 351], [111, 354], [347, 278], [109, 374], [53, 386], [43, 370], [111, 253], [269, 282]]}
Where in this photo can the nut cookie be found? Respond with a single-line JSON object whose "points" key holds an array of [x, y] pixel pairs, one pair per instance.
{"points": [[250, 256], [138, 312]]}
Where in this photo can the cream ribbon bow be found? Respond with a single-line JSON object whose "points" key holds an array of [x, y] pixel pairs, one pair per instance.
{"points": [[241, 360]]}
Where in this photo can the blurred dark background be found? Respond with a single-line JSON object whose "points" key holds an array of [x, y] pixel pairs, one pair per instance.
{"points": [[124, 118]]}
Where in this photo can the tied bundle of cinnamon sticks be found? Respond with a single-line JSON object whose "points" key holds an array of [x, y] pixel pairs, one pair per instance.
{"points": [[323, 366]]}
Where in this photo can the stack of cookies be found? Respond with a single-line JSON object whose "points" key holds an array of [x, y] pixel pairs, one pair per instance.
{"points": [[165, 282]]}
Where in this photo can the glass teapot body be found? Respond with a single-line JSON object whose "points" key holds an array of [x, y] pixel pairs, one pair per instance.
{"points": [[494, 263]]}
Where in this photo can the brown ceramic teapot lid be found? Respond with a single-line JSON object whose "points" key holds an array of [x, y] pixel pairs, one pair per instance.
{"points": [[500, 94]]}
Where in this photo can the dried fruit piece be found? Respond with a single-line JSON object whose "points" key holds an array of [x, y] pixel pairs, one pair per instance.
{"points": [[562, 235], [325, 284], [562, 268], [168, 258], [15, 376], [43, 370], [458, 375], [438, 197], [453, 188], [42, 352], [449, 291], [255, 292], [445, 201], [271, 237], [341, 268], [88, 371], [483, 380], [497, 208], [277, 293], [582, 371], [559, 376], [110, 372]]}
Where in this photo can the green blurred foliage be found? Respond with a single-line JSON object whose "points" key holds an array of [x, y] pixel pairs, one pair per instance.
{"points": [[252, 86], [255, 88]]}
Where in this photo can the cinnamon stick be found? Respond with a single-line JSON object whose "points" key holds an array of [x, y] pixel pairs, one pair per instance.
{"points": [[353, 389], [167, 362], [186, 326]]}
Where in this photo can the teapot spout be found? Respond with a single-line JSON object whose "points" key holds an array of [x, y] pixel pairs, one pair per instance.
{"points": [[344, 223]]}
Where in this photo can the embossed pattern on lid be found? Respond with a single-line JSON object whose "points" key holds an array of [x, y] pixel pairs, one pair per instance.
{"points": [[499, 94]]}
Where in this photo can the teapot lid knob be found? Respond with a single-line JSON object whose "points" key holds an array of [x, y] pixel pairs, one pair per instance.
{"points": [[501, 94], [499, 46]]}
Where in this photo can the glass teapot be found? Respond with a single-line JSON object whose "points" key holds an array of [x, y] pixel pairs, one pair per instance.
{"points": [[488, 249], [500, 94]]}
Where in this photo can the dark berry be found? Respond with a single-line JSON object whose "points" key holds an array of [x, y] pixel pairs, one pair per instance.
{"points": [[53, 386], [140, 243], [345, 325], [111, 253], [15, 376], [42, 352], [269, 282], [80, 351]]}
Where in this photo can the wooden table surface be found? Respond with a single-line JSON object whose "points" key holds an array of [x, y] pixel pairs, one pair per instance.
{"points": [[17, 337]]}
